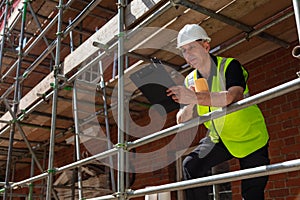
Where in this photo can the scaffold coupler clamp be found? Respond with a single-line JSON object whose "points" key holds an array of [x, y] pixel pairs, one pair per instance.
{"points": [[57, 69], [122, 34], [121, 5], [175, 3], [61, 6], [100, 85], [121, 146], [101, 46], [62, 77], [43, 96], [120, 194], [298, 74], [129, 191], [2, 190], [52, 171]]}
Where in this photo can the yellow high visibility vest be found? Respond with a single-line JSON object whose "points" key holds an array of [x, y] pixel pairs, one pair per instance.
{"points": [[243, 131]]}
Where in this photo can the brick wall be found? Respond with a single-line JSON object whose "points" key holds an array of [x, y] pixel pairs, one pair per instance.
{"points": [[282, 116], [10, 10]]}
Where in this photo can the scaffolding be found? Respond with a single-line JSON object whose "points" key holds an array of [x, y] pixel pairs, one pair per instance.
{"points": [[60, 82]]}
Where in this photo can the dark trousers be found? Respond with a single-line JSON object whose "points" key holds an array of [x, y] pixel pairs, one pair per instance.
{"points": [[207, 155]]}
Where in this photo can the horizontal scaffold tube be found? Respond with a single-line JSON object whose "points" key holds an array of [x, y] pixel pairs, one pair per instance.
{"points": [[73, 165], [296, 51], [287, 166]]}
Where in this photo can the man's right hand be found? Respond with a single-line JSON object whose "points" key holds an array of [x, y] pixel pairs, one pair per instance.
{"points": [[185, 113]]}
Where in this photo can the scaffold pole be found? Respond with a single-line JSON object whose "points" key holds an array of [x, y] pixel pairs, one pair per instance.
{"points": [[51, 169], [16, 100]]}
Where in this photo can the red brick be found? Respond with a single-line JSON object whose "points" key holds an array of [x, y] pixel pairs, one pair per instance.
{"points": [[273, 127], [295, 191], [288, 133], [289, 141], [278, 193], [279, 183], [291, 148]]}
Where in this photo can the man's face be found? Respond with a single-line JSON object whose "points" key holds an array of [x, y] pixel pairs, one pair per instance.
{"points": [[195, 52]]}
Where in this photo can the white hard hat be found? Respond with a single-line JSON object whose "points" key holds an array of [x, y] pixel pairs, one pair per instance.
{"points": [[190, 33]]}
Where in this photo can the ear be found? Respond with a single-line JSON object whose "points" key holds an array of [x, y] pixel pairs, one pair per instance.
{"points": [[206, 46]]}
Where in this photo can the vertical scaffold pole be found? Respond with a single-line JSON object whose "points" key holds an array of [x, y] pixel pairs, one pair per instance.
{"points": [[121, 156], [51, 170], [30, 194], [76, 135], [71, 37], [296, 5], [13, 178], [77, 139], [3, 35], [127, 126], [296, 50], [16, 100], [43, 189]]}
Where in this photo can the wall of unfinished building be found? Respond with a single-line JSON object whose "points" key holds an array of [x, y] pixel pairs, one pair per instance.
{"points": [[282, 116]]}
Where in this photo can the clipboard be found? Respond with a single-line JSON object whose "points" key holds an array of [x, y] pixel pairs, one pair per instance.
{"points": [[153, 80]]}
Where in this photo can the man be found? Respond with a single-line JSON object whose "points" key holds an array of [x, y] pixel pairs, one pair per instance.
{"points": [[242, 134]]}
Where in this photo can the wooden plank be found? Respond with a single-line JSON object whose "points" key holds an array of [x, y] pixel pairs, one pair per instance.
{"points": [[134, 10]]}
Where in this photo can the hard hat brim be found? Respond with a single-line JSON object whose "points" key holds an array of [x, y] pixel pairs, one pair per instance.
{"points": [[186, 42], [191, 40]]}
